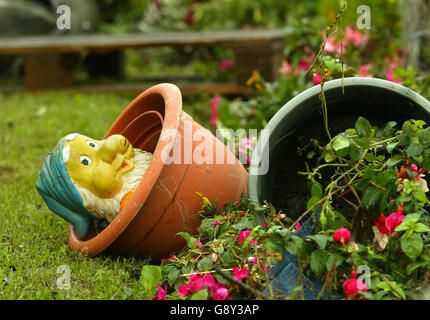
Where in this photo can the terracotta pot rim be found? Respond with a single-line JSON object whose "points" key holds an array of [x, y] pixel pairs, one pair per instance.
{"points": [[171, 95]]}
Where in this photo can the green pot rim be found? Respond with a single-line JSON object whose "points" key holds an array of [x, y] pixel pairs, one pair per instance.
{"points": [[311, 93]]}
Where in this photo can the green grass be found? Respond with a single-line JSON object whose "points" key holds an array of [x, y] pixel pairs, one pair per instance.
{"points": [[33, 240]]}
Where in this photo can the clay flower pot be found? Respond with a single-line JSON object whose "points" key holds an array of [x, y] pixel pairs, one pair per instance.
{"points": [[166, 201]]}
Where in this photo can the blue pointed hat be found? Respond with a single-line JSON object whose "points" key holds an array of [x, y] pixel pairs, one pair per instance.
{"points": [[60, 194]]}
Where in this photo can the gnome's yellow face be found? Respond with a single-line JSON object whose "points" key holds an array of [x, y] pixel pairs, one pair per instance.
{"points": [[98, 166]]}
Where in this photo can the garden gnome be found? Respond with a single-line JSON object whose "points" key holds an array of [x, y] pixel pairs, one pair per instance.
{"points": [[84, 179]]}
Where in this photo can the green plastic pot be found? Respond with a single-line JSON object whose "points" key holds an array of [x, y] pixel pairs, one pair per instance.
{"points": [[367, 97]]}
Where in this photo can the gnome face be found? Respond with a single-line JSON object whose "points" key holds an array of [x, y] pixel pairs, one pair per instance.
{"points": [[98, 166]]}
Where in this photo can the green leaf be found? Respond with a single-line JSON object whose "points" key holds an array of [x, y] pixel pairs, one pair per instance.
{"points": [[318, 262], [316, 190], [312, 201], [371, 197], [363, 127], [328, 155], [205, 264], [191, 241], [149, 278], [420, 195], [424, 137], [341, 145], [412, 246], [387, 178], [407, 129], [354, 152], [421, 227], [404, 140], [331, 258], [394, 160], [370, 157], [200, 295], [294, 245], [173, 276], [320, 239], [414, 149], [391, 146], [413, 266], [426, 160]]}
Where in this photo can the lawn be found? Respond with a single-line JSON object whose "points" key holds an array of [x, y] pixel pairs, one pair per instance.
{"points": [[33, 240]]}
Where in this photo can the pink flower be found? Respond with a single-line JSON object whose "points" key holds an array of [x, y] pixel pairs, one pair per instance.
{"points": [[161, 293], [189, 18], [390, 75], [380, 224], [241, 273], [352, 286], [356, 37], [393, 221], [303, 65], [221, 294], [363, 71], [199, 243], [215, 223], [286, 68], [226, 64], [317, 78], [253, 260], [171, 258], [214, 108], [243, 235], [298, 226], [264, 225], [334, 46], [342, 235], [183, 290]]}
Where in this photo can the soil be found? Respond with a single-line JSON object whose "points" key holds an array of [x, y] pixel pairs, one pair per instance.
{"points": [[291, 190]]}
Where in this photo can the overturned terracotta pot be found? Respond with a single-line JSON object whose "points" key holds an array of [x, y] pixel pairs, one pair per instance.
{"points": [[188, 160]]}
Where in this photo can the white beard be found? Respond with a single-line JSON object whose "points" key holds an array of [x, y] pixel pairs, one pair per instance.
{"points": [[109, 208]]}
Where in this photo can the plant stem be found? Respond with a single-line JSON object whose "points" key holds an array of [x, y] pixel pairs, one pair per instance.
{"points": [[256, 293]]}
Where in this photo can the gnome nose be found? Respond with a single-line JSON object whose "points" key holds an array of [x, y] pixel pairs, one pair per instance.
{"points": [[110, 148]]}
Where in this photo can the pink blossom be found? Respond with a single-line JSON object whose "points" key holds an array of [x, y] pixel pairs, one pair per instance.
{"points": [[214, 108], [298, 226], [170, 258], [199, 243], [390, 75], [303, 65], [189, 18], [161, 293], [317, 78], [243, 235], [215, 223], [353, 286], [286, 68], [264, 225], [342, 235], [282, 215], [183, 290], [380, 224], [363, 71], [226, 64], [221, 294], [356, 37], [393, 221], [333, 46], [253, 260], [241, 273]]}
